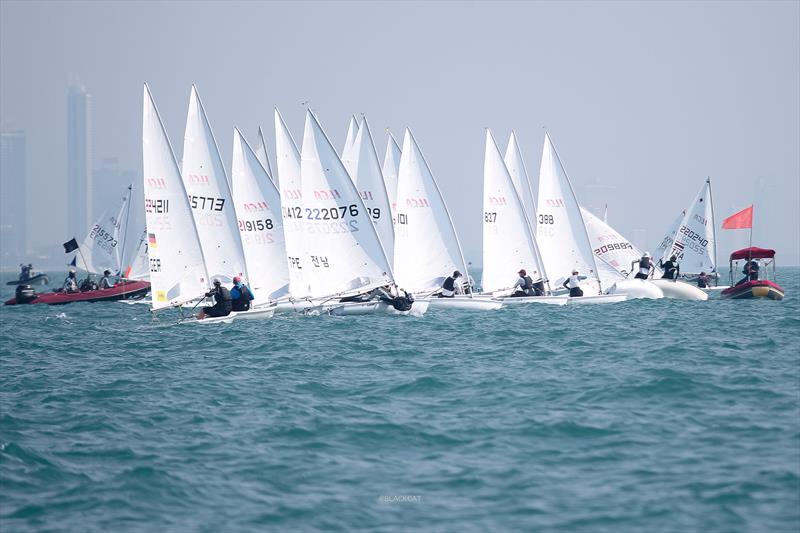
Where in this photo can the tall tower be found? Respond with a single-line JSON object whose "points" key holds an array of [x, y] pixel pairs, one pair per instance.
{"points": [[79, 160], [13, 228]]}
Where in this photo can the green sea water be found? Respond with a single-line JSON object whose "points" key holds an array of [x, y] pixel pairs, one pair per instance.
{"points": [[639, 416]]}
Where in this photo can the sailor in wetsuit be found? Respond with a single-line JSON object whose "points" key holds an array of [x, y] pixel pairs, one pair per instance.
{"points": [[645, 266], [71, 282], [241, 295], [703, 280], [26, 271], [105, 281], [222, 302], [573, 283], [451, 286], [671, 268]]}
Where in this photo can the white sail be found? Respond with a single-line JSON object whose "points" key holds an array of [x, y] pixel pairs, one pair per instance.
{"points": [[177, 268], [693, 243], [362, 164], [139, 267], [210, 196], [666, 243], [426, 245], [391, 167], [344, 254], [561, 233], [352, 130], [508, 243], [610, 246], [101, 249], [287, 159], [519, 175], [262, 154], [257, 204]]}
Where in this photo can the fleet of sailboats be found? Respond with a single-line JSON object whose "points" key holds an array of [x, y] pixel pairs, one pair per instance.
{"points": [[345, 233]]}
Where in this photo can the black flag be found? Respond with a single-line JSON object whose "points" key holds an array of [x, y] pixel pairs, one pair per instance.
{"points": [[71, 245]]}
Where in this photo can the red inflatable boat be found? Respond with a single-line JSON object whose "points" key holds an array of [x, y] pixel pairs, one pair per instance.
{"points": [[124, 290], [751, 286]]}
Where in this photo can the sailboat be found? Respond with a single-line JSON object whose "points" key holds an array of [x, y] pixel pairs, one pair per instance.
{"points": [[343, 251], [426, 245], [508, 241], [561, 233], [350, 138], [519, 175], [256, 202], [361, 162], [263, 155], [212, 205], [391, 167]]}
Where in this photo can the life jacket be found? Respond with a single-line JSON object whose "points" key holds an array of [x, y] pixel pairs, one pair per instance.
{"points": [[644, 265], [222, 299], [670, 270], [449, 287], [528, 286], [242, 303]]}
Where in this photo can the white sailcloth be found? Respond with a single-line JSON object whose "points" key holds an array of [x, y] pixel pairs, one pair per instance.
{"points": [[139, 267], [519, 175], [426, 245], [101, 249], [262, 154], [665, 246], [610, 246], [344, 254], [177, 268], [257, 204], [561, 233], [365, 170], [508, 243], [693, 243], [391, 167], [210, 196], [349, 140], [287, 162]]}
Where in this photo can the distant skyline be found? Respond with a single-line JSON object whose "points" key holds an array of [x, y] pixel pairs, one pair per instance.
{"points": [[643, 100]]}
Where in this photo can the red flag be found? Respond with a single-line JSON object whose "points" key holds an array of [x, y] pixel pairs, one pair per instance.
{"points": [[742, 219]]}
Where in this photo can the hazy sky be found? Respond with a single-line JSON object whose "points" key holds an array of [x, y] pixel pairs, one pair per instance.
{"points": [[644, 99]]}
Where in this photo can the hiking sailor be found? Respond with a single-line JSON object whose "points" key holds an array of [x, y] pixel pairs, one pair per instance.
{"points": [[645, 267], [573, 283], [671, 268], [222, 302], [451, 286]]}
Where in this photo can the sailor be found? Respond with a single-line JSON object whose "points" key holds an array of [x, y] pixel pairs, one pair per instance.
{"points": [[538, 285], [241, 295], [703, 281], [573, 283], [105, 281], [451, 286], [71, 282], [645, 266], [671, 268], [750, 272], [524, 285], [25, 273], [222, 302]]}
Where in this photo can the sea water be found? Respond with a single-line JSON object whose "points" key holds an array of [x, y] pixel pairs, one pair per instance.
{"points": [[639, 416]]}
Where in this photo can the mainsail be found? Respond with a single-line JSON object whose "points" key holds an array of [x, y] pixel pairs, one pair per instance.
{"points": [[287, 163], [519, 175], [426, 245], [344, 254], [350, 139], [102, 248], [561, 233], [210, 196], [508, 242], [177, 268], [391, 167], [257, 204], [262, 154], [694, 241], [610, 246]]}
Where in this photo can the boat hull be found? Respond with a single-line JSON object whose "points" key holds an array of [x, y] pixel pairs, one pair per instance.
{"points": [[418, 308], [465, 302], [521, 300], [679, 290], [38, 279], [637, 288], [121, 291], [762, 288], [597, 299]]}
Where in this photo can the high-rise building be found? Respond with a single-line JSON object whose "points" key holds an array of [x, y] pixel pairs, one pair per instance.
{"points": [[79, 160], [13, 228]]}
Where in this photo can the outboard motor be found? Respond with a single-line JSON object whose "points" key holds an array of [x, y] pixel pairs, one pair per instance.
{"points": [[25, 294]]}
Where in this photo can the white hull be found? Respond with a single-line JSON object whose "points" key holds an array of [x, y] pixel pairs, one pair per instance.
{"points": [[520, 300], [707, 290], [465, 302], [679, 290], [418, 308], [597, 299], [294, 306], [636, 288], [256, 313]]}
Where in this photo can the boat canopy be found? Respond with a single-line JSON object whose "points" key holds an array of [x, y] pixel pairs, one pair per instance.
{"points": [[753, 253]]}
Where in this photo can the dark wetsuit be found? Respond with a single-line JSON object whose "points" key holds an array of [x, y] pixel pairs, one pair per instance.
{"points": [[449, 285], [644, 264], [671, 270], [750, 272], [222, 306], [703, 281]]}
